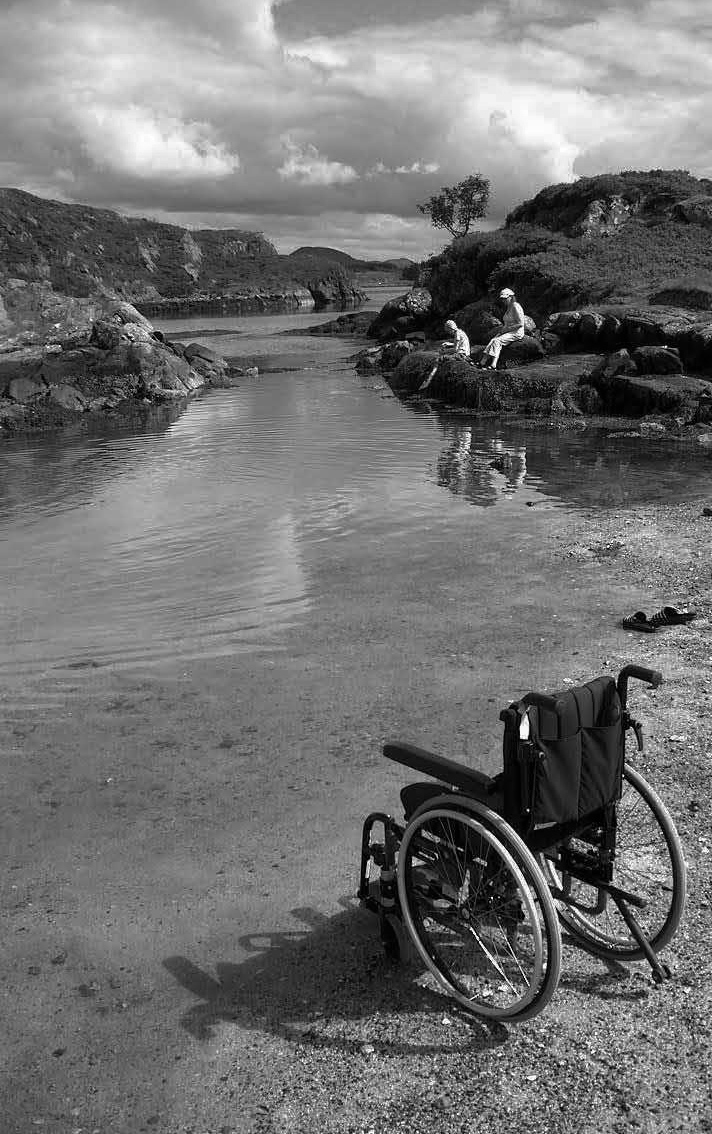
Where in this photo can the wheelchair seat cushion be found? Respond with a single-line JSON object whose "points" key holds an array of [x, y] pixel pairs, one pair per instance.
{"points": [[573, 762]]}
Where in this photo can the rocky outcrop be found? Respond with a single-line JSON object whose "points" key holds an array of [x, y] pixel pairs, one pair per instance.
{"points": [[255, 303], [355, 323], [545, 389], [608, 328], [121, 365], [604, 216], [399, 317], [607, 361], [695, 210]]}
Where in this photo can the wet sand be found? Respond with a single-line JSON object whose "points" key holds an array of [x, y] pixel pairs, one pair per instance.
{"points": [[182, 951]]}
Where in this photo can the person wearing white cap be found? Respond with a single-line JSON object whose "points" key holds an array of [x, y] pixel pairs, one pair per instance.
{"points": [[457, 347], [513, 320]]}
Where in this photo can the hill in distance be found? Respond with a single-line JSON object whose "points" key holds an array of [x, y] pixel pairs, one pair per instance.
{"points": [[365, 272], [87, 252]]}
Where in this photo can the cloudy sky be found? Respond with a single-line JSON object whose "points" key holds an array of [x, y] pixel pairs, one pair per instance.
{"points": [[327, 121]]}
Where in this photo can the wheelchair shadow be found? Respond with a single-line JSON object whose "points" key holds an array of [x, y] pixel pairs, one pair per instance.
{"points": [[604, 978], [329, 985]]}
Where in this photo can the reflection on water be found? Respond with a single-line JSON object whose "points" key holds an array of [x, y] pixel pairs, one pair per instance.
{"points": [[211, 533], [580, 469], [481, 472]]}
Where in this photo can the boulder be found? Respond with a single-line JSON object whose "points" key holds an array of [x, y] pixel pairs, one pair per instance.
{"points": [[108, 333], [392, 353], [13, 416], [638, 394], [610, 335], [368, 361], [68, 398], [521, 351], [657, 360], [551, 343], [590, 326], [26, 389], [642, 329], [197, 350], [695, 210], [413, 309], [563, 323], [696, 345], [607, 370]]}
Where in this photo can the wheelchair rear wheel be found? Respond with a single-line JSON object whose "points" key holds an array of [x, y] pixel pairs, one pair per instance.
{"points": [[649, 863], [479, 912]]}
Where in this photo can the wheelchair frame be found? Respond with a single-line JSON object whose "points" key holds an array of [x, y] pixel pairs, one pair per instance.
{"points": [[480, 879]]}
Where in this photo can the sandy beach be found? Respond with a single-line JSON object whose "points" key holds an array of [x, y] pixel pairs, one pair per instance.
{"points": [[182, 949]]}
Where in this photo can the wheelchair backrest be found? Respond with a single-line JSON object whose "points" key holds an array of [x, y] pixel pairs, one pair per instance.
{"points": [[571, 763]]}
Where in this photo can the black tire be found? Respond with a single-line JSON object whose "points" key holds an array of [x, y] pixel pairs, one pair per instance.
{"points": [[649, 862], [479, 911]]}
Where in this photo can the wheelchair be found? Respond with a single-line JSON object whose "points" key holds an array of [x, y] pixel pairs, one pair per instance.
{"points": [[483, 870]]}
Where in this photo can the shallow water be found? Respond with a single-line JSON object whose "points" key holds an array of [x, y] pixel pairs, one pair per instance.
{"points": [[210, 534]]}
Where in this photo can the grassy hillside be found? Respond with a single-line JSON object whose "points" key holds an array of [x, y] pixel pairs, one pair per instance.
{"points": [[85, 252], [619, 237]]}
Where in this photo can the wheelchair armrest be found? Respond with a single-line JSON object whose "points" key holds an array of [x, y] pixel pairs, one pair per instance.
{"points": [[468, 780]]}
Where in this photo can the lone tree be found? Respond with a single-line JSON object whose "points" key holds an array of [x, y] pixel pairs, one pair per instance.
{"points": [[457, 207]]}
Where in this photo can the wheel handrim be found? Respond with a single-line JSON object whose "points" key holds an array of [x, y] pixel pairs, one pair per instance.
{"points": [[471, 913]]}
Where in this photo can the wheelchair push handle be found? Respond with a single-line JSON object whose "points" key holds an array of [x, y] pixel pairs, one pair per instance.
{"points": [[653, 677], [541, 700]]}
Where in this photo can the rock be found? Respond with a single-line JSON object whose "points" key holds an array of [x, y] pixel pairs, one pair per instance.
{"points": [[642, 330], [695, 210], [68, 397], [478, 321], [604, 216], [590, 326], [696, 345], [637, 395], [657, 360], [108, 333], [26, 389], [620, 362], [197, 350], [550, 342], [392, 354], [563, 323], [589, 398], [413, 309], [610, 335], [368, 361], [521, 351], [12, 415], [67, 367]]}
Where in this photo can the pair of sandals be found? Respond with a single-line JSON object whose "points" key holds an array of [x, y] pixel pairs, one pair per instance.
{"points": [[666, 616]]}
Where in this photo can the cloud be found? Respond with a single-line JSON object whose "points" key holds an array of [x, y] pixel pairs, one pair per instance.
{"points": [[136, 142], [305, 165], [316, 109]]}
